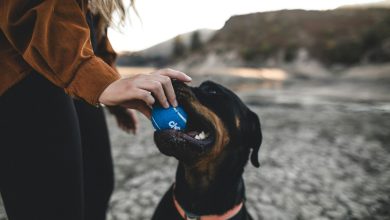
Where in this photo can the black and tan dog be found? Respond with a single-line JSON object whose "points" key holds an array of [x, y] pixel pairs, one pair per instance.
{"points": [[212, 152]]}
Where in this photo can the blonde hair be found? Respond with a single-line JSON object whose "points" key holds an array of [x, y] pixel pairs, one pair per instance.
{"points": [[106, 8]]}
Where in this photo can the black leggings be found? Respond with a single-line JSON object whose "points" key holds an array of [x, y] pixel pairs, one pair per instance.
{"points": [[55, 159]]}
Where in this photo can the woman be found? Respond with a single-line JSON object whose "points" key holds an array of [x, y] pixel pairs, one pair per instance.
{"points": [[55, 161]]}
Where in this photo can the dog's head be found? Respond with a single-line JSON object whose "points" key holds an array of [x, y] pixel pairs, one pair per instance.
{"points": [[221, 130]]}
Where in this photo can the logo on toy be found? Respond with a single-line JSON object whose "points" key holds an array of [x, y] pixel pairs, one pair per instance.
{"points": [[173, 125], [170, 118]]}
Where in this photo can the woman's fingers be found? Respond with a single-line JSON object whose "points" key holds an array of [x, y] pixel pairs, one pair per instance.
{"points": [[140, 88], [174, 74], [153, 85], [140, 106], [164, 76], [168, 89], [144, 95], [144, 109]]}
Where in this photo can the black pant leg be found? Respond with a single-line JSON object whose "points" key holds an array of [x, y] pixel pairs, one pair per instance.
{"points": [[97, 160], [40, 153]]}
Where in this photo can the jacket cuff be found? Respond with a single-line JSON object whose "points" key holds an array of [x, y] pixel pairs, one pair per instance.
{"points": [[90, 80]]}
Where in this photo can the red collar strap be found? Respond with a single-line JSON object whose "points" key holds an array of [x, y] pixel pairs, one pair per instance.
{"points": [[188, 216]]}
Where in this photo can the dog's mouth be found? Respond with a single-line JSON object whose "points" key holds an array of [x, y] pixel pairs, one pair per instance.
{"points": [[196, 139], [199, 131]]}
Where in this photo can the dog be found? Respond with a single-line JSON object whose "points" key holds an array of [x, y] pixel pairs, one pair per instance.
{"points": [[222, 134]]}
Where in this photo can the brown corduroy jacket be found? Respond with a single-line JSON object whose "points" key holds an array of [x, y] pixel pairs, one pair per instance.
{"points": [[52, 38]]}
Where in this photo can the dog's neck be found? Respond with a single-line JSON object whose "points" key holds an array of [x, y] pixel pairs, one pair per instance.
{"points": [[201, 194]]}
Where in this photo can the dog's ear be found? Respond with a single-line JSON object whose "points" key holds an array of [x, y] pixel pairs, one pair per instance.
{"points": [[255, 138]]}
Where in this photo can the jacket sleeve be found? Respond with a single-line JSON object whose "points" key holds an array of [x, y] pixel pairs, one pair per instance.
{"points": [[105, 51], [54, 39]]}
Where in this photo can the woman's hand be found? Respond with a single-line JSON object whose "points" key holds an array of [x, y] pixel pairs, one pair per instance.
{"points": [[126, 118], [136, 92]]}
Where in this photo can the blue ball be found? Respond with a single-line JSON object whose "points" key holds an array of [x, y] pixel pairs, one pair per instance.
{"points": [[169, 118]]}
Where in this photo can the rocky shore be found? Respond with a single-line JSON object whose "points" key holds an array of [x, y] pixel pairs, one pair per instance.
{"points": [[325, 153]]}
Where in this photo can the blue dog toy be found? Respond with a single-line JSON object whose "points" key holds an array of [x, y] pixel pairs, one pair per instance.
{"points": [[169, 118]]}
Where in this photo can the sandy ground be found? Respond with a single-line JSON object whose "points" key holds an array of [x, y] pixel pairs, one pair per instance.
{"points": [[325, 154]]}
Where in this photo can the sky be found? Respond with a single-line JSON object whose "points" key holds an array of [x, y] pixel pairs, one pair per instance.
{"points": [[161, 20]]}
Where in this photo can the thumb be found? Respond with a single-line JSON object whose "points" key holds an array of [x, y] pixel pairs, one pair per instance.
{"points": [[140, 106], [145, 110]]}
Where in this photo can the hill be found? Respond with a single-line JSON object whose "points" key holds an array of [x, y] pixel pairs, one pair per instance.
{"points": [[381, 4], [163, 53], [334, 38], [342, 36], [165, 49]]}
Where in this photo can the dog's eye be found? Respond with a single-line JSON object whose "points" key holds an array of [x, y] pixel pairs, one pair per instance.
{"points": [[212, 92]]}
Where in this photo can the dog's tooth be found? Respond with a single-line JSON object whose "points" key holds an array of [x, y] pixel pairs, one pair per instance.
{"points": [[202, 135]]}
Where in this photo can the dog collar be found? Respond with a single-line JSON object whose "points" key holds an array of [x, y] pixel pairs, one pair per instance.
{"points": [[190, 216]]}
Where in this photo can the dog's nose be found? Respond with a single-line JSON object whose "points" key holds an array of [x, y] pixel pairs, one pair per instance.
{"points": [[178, 85]]}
